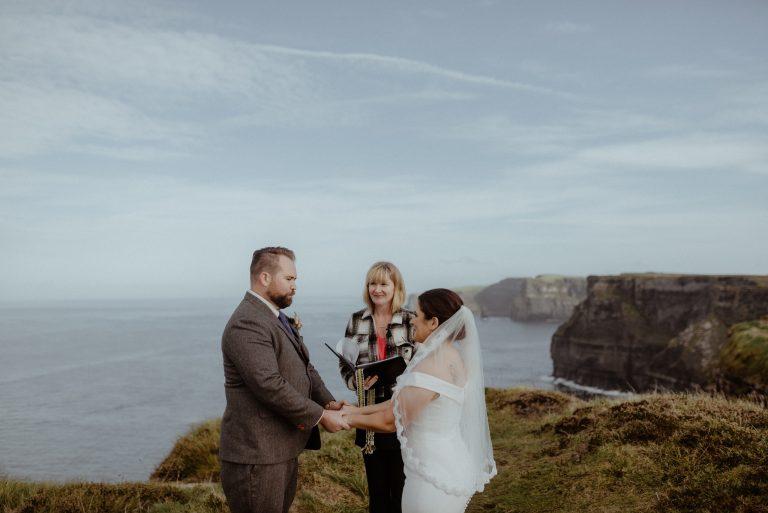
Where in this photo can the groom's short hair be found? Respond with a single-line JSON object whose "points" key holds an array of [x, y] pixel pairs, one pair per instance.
{"points": [[265, 259]]}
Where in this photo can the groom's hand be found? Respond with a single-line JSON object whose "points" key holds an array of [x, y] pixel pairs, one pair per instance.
{"points": [[333, 421], [336, 405]]}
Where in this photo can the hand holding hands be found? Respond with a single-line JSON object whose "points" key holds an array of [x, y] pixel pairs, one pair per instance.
{"points": [[336, 405], [333, 421]]}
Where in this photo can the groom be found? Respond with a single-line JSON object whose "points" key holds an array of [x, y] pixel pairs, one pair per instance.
{"points": [[275, 398]]}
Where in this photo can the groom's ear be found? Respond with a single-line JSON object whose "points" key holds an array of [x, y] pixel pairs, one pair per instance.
{"points": [[265, 278]]}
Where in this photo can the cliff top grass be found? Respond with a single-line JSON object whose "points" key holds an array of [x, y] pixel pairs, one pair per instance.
{"points": [[746, 353], [469, 289], [557, 277], [555, 454], [760, 279]]}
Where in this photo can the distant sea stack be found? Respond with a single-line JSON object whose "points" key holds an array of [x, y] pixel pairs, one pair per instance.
{"points": [[545, 298], [642, 332]]}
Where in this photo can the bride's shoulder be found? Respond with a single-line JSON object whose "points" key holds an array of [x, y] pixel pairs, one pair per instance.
{"points": [[451, 352]]}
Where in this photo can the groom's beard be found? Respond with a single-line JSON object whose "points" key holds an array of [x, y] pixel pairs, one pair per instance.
{"points": [[283, 301]]}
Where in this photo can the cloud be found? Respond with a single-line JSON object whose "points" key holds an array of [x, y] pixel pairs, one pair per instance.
{"points": [[702, 151], [37, 119], [87, 84], [570, 131], [414, 66]]}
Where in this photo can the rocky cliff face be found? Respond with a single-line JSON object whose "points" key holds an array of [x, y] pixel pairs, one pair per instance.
{"points": [[642, 332], [543, 298]]}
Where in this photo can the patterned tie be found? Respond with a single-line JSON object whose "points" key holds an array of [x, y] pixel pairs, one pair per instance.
{"points": [[284, 320]]}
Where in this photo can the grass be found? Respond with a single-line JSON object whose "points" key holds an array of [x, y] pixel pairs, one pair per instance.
{"points": [[676, 453], [21, 497], [194, 458], [744, 359]]}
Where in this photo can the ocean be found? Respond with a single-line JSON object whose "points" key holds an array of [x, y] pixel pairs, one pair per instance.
{"points": [[100, 391]]}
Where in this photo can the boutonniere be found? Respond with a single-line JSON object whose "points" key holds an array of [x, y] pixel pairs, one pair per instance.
{"points": [[295, 321]]}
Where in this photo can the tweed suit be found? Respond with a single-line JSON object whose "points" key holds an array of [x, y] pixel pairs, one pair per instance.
{"points": [[275, 400]]}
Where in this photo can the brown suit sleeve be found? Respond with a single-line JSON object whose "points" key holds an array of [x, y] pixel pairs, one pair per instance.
{"points": [[252, 351], [320, 393]]}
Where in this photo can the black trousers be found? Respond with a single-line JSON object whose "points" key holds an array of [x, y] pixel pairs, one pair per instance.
{"points": [[384, 470]]}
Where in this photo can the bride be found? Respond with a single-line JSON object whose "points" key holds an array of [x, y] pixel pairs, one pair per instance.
{"points": [[438, 410]]}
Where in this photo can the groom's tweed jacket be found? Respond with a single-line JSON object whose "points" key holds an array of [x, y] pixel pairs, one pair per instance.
{"points": [[274, 395]]}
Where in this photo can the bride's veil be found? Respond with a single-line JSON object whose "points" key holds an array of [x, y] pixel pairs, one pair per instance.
{"points": [[448, 363]]}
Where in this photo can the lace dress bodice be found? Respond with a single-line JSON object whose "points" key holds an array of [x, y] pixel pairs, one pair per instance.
{"points": [[432, 442]]}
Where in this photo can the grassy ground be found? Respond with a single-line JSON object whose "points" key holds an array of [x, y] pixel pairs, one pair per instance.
{"points": [[556, 454], [744, 359]]}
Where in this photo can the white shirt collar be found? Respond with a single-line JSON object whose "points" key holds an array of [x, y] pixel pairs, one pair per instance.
{"points": [[266, 302]]}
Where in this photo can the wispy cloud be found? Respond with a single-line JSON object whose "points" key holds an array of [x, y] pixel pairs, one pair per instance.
{"points": [[414, 66], [86, 84], [42, 118], [701, 151], [571, 131]]}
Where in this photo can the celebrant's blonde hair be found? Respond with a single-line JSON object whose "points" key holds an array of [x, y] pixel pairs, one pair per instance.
{"points": [[377, 273]]}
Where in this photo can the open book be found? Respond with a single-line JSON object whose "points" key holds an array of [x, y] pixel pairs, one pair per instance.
{"points": [[387, 370]]}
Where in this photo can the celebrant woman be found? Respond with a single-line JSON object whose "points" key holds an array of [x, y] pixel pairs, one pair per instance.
{"points": [[381, 330]]}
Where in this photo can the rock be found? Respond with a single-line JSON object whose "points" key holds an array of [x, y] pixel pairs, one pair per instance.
{"points": [[545, 298], [496, 300], [641, 332]]}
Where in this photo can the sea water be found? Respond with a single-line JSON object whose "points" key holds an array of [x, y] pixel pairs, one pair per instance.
{"points": [[100, 391]]}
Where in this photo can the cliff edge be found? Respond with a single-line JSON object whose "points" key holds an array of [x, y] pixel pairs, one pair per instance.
{"points": [[642, 332]]}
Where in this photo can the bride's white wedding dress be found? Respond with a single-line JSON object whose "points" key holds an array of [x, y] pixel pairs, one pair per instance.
{"points": [[436, 432], [444, 438]]}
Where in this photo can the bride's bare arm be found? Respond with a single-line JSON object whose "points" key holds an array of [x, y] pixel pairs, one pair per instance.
{"points": [[366, 410], [381, 420]]}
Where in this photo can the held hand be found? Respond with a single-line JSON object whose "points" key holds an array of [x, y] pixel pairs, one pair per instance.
{"points": [[370, 381], [336, 405], [333, 421]]}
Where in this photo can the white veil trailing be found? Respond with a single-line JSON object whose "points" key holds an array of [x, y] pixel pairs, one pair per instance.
{"points": [[440, 412]]}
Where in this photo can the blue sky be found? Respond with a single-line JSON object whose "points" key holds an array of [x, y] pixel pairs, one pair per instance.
{"points": [[146, 148]]}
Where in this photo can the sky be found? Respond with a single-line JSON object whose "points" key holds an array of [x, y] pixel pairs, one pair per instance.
{"points": [[147, 148]]}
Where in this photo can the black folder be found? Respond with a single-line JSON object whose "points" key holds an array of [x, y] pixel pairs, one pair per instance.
{"points": [[387, 370]]}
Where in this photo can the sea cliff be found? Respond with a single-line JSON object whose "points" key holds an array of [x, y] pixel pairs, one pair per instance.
{"points": [[642, 332], [545, 298]]}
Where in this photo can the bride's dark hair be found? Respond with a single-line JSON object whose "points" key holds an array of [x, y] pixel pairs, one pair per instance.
{"points": [[441, 303]]}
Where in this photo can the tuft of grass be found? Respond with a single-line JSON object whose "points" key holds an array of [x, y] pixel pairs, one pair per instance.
{"points": [[194, 457], [528, 402], [744, 358]]}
